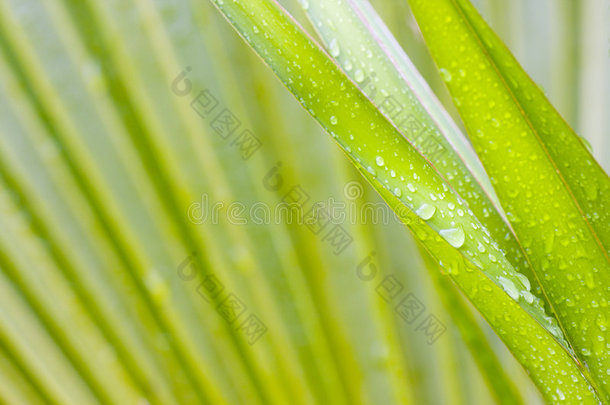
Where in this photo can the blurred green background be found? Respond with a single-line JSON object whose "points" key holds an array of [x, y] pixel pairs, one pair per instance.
{"points": [[134, 266]]}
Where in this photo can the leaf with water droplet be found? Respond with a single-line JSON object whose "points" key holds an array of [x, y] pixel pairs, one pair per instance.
{"points": [[557, 191], [455, 236]]}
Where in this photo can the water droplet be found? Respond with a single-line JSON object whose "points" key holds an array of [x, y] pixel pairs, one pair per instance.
{"points": [[426, 211], [601, 322], [334, 48], [445, 75], [560, 395], [333, 120], [379, 160], [411, 187], [359, 75], [589, 281], [527, 296], [397, 192], [509, 287], [455, 236], [371, 170]]}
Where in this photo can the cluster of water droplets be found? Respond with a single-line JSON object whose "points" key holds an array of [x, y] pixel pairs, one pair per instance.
{"points": [[451, 218]]}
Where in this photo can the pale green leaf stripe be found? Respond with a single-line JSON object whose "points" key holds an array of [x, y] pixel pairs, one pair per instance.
{"points": [[15, 386], [333, 100], [550, 186], [38, 359], [17, 250]]}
